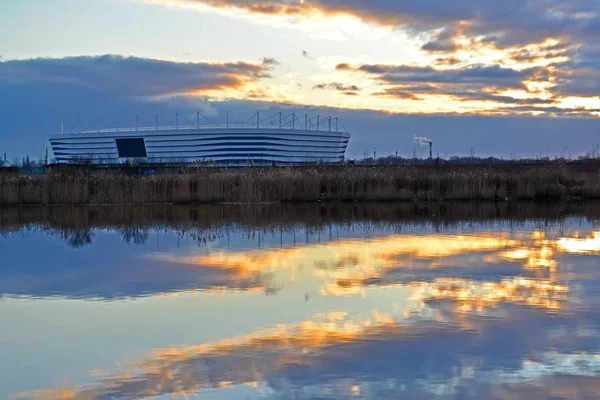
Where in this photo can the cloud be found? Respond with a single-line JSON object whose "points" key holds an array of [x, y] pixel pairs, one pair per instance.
{"points": [[28, 117], [398, 92], [473, 83], [504, 23], [133, 76], [550, 52], [472, 75], [579, 76], [339, 87], [447, 60], [525, 33], [416, 92], [445, 41], [270, 61]]}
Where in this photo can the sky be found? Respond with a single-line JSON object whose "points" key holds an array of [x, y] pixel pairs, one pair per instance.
{"points": [[510, 78]]}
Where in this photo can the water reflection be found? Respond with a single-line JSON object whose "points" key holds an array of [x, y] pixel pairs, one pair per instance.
{"points": [[489, 310]]}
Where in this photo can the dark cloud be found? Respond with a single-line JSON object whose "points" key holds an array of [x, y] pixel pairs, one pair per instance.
{"points": [[270, 61], [447, 61], [28, 118], [132, 76], [472, 77], [579, 76], [541, 53], [504, 23], [480, 83], [397, 93], [445, 41], [413, 92], [465, 24], [337, 86]]}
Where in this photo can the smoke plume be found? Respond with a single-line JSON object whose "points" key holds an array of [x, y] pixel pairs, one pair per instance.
{"points": [[423, 141]]}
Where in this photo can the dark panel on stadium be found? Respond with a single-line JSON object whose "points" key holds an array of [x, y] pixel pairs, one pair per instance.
{"points": [[131, 148]]}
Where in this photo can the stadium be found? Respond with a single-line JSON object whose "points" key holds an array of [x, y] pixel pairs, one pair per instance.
{"points": [[277, 140]]}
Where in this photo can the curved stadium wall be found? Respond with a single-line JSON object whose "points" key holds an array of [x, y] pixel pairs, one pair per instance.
{"points": [[232, 146]]}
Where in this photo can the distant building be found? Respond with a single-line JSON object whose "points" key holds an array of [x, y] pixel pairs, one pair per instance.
{"points": [[230, 145]]}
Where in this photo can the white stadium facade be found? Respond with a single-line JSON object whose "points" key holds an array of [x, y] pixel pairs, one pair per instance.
{"points": [[286, 143]]}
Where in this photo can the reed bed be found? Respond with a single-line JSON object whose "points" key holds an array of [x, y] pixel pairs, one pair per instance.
{"points": [[283, 185]]}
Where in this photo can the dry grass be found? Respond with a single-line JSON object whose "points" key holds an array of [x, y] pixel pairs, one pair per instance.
{"points": [[292, 185]]}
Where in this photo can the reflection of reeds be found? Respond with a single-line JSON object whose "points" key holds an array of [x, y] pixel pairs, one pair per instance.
{"points": [[276, 216], [206, 222], [309, 185]]}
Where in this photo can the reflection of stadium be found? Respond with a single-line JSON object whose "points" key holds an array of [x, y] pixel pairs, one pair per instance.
{"points": [[287, 142]]}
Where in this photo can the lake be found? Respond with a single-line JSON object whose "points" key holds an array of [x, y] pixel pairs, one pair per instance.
{"points": [[494, 301]]}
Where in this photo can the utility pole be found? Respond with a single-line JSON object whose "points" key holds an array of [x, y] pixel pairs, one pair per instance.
{"points": [[227, 119], [329, 124], [280, 120], [257, 119], [305, 122], [198, 120], [318, 122], [177, 121], [293, 121], [62, 126], [336, 124]]}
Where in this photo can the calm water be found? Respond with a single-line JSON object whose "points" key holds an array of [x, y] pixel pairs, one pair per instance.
{"points": [[356, 309]]}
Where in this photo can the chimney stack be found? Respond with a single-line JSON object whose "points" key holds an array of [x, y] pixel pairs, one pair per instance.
{"points": [[431, 150]]}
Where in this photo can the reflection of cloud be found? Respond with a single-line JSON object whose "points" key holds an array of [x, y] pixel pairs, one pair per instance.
{"points": [[126, 277], [450, 332], [241, 360], [359, 357], [341, 267], [582, 246], [566, 386], [343, 259], [472, 296], [492, 334], [537, 254], [346, 267]]}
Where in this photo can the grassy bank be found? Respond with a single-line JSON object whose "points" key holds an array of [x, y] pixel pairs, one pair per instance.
{"points": [[555, 182]]}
